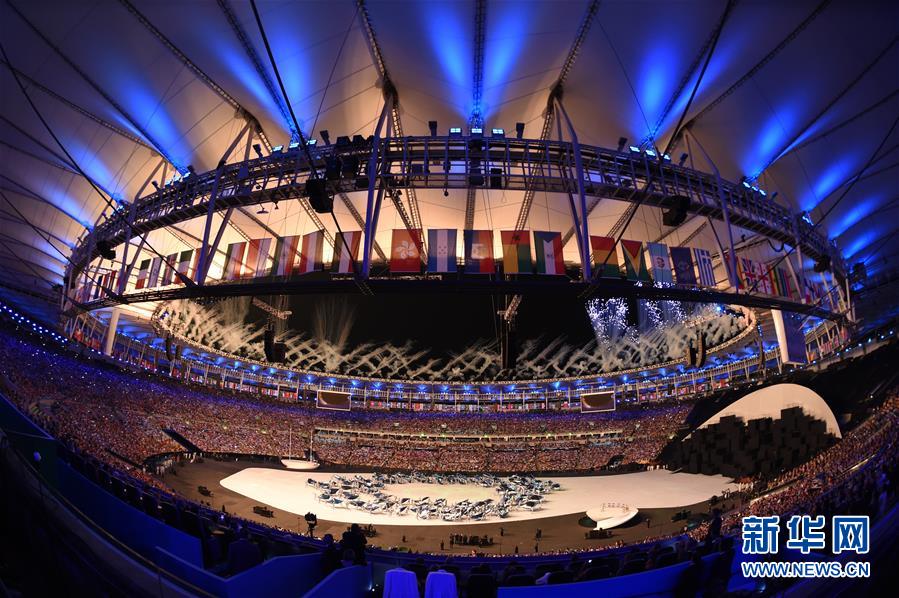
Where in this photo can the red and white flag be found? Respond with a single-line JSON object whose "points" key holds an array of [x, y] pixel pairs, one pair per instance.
{"points": [[184, 264], [257, 258], [142, 273], [346, 251], [405, 251], [233, 261], [311, 252], [285, 255]]}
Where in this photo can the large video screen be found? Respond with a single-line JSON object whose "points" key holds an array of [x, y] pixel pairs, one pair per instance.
{"points": [[330, 399], [598, 401]]}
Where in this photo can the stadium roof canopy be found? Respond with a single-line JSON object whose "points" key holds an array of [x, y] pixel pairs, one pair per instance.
{"points": [[801, 97]]}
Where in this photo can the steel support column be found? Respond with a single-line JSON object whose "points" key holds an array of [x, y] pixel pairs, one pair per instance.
{"points": [[370, 214], [730, 265], [582, 195]]}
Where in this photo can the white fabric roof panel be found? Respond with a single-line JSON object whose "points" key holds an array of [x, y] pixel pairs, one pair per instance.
{"points": [[631, 66]]}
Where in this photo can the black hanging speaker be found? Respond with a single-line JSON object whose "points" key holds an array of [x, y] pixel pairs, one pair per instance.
{"points": [[822, 265], [177, 351], [496, 178], [676, 214], [700, 349], [279, 353], [168, 347], [105, 250], [690, 357], [268, 341], [319, 197]]}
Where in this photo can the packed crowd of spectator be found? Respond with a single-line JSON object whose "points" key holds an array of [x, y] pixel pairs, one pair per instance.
{"points": [[124, 415]]}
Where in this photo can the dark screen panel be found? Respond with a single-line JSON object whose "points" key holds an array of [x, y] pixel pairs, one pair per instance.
{"points": [[330, 399], [598, 401]]}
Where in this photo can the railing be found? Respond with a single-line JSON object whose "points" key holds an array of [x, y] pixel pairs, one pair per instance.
{"points": [[463, 162]]}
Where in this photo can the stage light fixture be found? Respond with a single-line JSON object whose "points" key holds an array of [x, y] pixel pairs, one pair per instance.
{"points": [[311, 142], [190, 170], [262, 210], [432, 126], [277, 149], [293, 145], [746, 184], [622, 141], [666, 157], [498, 132], [519, 130], [258, 149], [651, 153], [155, 185], [326, 136], [455, 132], [634, 149], [683, 158], [476, 131]]}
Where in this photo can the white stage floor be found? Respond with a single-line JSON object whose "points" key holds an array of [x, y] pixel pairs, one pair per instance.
{"points": [[288, 491]]}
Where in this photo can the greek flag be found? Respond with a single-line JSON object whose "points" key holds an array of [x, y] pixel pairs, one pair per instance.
{"points": [[706, 270]]}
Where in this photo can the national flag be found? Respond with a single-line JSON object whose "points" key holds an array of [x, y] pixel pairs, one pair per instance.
{"points": [[479, 251], [788, 329], [184, 264], [784, 288], [661, 264], [764, 281], [346, 248], [311, 252], [285, 255], [548, 249], [257, 258], [605, 259], [155, 266], [682, 258], [109, 282], [442, 250], [516, 251], [706, 269], [142, 274], [234, 260], [773, 282], [195, 267], [405, 250], [634, 260], [746, 273], [169, 269]]}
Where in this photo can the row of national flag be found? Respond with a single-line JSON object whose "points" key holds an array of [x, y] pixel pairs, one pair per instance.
{"points": [[302, 254]]}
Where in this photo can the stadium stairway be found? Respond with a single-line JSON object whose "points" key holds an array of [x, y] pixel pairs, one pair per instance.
{"points": [[187, 444]]}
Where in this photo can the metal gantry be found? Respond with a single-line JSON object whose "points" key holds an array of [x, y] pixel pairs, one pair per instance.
{"points": [[391, 163]]}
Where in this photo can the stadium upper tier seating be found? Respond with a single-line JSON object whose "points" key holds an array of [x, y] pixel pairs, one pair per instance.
{"points": [[124, 416]]}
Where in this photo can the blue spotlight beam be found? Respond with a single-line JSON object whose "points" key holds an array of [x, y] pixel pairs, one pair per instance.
{"points": [[97, 88], [392, 97], [786, 146], [79, 109], [762, 63], [863, 112], [197, 71], [251, 53], [650, 139], [476, 119], [570, 59]]}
